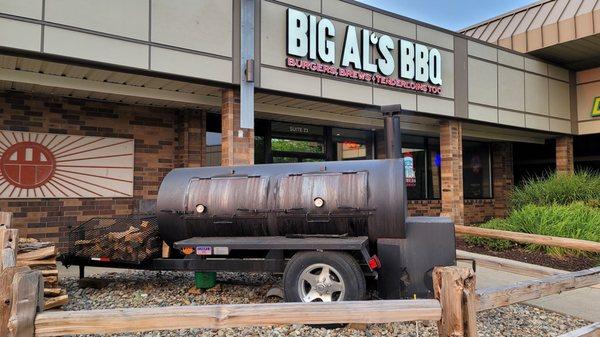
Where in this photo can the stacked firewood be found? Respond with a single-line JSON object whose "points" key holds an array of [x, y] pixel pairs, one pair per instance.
{"points": [[42, 256], [135, 244]]}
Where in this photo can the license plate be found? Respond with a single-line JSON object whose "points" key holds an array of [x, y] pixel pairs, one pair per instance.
{"points": [[203, 250]]}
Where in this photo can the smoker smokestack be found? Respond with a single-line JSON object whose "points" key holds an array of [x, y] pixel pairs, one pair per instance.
{"points": [[393, 143]]}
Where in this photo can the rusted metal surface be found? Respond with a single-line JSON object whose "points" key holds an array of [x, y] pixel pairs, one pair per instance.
{"points": [[360, 198], [339, 190], [227, 194]]}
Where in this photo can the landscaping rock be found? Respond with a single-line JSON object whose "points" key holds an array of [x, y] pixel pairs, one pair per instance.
{"points": [[158, 289]]}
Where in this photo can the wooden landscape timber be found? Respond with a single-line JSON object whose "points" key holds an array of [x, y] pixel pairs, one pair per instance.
{"points": [[135, 244], [511, 266], [454, 310], [454, 287], [491, 298], [553, 241], [233, 315]]}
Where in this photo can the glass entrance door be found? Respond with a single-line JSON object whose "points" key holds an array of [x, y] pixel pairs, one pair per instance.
{"points": [[295, 143], [285, 142]]}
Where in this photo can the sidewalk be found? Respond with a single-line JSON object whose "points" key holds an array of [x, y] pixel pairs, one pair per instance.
{"points": [[583, 303]]}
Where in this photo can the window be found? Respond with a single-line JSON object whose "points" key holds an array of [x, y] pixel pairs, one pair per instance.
{"points": [[292, 145], [434, 172], [421, 167], [213, 139], [351, 144], [477, 174]]}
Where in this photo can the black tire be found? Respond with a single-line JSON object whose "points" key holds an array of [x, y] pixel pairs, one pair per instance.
{"points": [[346, 266]]}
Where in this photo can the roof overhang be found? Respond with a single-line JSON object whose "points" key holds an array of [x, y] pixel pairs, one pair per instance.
{"points": [[66, 80], [566, 32]]}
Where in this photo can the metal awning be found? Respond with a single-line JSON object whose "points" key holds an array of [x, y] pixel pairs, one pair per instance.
{"points": [[61, 79], [563, 31]]}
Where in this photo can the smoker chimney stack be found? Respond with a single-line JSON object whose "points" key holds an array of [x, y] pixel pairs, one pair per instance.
{"points": [[393, 143]]}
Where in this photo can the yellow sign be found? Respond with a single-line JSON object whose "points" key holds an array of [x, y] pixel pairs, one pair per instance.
{"points": [[596, 107]]}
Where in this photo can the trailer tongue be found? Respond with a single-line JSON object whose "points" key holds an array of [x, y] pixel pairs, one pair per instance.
{"points": [[332, 228]]}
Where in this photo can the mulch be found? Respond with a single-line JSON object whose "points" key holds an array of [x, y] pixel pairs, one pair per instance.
{"points": [[570, 263]]}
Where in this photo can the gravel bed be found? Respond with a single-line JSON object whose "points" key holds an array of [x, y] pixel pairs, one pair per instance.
{"points": [[152, 289]]}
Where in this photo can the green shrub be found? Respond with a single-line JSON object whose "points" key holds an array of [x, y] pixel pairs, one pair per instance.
{"points": [[493, 244], [576, 220], [562, 189]]}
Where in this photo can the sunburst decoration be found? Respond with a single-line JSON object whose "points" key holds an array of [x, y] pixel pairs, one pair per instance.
{"points": [[44, 165]]}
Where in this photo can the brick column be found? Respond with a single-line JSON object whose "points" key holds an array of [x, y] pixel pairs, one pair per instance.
{"points": [[191, 138], [237, 144], [502, 173], [452, 171], [564, 155]]}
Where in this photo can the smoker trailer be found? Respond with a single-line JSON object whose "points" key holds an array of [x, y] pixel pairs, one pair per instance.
{"points": [[335, 230]]}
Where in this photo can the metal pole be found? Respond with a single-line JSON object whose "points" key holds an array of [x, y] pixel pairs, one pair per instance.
{"points": [[393, 142], [393, 148], [247, 65]]}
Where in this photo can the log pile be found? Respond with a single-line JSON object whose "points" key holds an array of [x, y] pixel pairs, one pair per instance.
{"points": [[42, 256], [135, 244]]}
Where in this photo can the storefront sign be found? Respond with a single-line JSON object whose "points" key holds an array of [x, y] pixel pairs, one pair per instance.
{"points": [[298, 129], [596, 107], [366, 56], [42, 165]]}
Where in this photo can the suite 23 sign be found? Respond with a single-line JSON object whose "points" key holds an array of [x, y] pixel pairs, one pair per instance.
{"points": [[366, 56]]}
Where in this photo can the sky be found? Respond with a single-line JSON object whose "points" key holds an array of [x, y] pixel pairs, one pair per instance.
{"points": [[449, 14]]}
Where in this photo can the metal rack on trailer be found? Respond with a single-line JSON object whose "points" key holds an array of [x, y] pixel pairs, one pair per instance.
{"points": [[218, 249]]}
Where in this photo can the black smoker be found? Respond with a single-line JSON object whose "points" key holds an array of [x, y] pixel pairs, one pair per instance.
{"points": [[313, 200], [281, 218]]}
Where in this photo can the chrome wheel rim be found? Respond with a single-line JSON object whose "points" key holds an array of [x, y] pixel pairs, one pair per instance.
{"points": [[321, 282]]}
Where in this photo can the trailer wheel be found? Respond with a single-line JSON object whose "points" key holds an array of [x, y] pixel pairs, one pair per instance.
{"points": [[323, 277]]}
